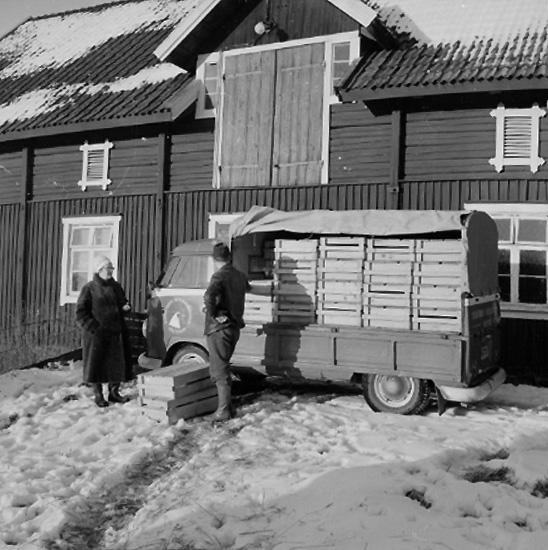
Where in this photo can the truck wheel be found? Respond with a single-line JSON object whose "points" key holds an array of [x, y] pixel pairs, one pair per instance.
{"points": [[396, 394], [190, 354]]}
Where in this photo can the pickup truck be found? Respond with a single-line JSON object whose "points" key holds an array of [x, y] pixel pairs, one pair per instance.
{"points": [[404, 303]]}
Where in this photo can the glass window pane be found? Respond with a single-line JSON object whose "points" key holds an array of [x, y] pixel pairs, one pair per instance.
{"points": [[80, 236], [102, 236], [504, 226], [341, 52], [191, 272], [532, 262], [532, 231], [504, 262], [504, 284], [78, 280], [80, 260], [532, 290]]}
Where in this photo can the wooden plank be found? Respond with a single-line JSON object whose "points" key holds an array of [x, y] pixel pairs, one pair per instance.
{"points": [[289, 245], [175, 375], [334, 318], [186, 412], [338, 265], [166, 392], [172, 402]]}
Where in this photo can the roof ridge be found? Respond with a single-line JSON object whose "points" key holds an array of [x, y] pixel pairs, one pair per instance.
{"points": [[96, 7]]}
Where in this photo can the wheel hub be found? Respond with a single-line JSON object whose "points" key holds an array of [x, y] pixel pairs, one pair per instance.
{"points": [[394, 388]]}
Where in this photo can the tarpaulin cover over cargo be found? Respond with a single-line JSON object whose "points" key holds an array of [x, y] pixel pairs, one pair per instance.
{"points": [[476, 230]]}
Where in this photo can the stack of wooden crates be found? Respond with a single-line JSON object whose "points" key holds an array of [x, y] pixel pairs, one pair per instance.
{"points": [[412, 284], [177, 392]]}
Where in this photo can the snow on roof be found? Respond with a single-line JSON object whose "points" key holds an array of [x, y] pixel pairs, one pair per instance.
{"points": [[50, 62], [466, 21], [37, 43]]}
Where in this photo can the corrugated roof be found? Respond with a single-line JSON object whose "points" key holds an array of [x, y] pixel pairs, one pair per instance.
{"points": [[88, 65], [444, 43]]}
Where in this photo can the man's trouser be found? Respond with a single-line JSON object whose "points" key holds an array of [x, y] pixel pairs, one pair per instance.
{"points": [[221, 345]]}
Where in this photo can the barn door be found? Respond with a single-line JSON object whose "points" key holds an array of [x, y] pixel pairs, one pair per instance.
{"points": [[245, 143], [298, 119]]}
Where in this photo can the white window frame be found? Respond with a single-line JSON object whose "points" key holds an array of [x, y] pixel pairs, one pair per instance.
{"points": [[517, 211], [517, 137], [214, 58], [215, 219], [66, 295], [96, 156], [353, 39]]}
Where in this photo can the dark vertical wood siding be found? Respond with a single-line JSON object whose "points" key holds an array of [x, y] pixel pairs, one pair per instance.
{"points": [[133, 168], [359, 146], [11, 169], [524, 350], [295, 20], [453, 194], [191, 160], [9, 231]]}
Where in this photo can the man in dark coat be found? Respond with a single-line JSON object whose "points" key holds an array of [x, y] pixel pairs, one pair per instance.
{"points": [[100, 312], [224, 302]]}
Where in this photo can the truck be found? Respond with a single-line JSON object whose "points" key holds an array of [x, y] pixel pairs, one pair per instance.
{"points": [[403, 303]]}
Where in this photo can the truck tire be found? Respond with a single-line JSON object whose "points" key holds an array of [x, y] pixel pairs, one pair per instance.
{"points": [[396, 394], [190, 354]]}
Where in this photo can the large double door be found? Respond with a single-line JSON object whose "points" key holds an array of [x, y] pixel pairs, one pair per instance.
{"points": [[271, 117]]}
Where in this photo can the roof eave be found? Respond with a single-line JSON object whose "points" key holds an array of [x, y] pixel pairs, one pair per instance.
{"points": [[355, 9], [183, 29], [74, 128], [496, 86]]}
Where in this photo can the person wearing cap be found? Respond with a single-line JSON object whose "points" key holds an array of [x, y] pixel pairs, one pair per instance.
{"points": [[224, 302], [105, 349]]}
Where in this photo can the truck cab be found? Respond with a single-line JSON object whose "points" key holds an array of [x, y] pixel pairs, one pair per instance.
{"points": [[404, 303]]}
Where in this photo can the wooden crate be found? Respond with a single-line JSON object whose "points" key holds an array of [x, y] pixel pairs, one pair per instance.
{"points": [[175, 392]]}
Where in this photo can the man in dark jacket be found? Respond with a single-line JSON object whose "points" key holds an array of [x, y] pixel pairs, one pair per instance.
{"points": [[100, 312], [224, 302]]}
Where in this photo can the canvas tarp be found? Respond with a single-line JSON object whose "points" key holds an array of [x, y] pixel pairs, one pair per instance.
{"points": [[349, 222]]}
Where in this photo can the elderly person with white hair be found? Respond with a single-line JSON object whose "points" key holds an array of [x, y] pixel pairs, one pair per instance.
{"points": [[100, 312]]}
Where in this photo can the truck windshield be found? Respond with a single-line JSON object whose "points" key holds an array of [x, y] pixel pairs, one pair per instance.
{"points": [[187, 272]]}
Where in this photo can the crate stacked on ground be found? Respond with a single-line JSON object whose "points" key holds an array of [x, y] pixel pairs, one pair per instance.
{"points": [[340, 267], [387, 283], [438, 285], [179, 391], [295, 280]]}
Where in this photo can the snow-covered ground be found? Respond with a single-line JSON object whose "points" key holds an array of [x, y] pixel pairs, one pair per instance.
{"points": [[296, 470]]}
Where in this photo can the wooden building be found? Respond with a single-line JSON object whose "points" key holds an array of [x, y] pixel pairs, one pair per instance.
{"points": [[173, 116]]}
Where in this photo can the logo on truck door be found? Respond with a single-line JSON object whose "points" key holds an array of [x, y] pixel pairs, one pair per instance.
{"points": [[177, 315]]}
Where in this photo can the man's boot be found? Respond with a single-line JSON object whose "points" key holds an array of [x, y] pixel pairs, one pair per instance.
{"points": [[98, 395], [225, 410], [114, 394]]}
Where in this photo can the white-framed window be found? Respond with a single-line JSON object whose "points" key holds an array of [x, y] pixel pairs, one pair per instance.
{"points": [[517, 138], [208, 73], [340, 53], [83, 239], [218, 225], [95, 164], [523, 256]]}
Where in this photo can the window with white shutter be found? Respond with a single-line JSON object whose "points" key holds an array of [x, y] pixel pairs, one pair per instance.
{"points": [[517, 140], [95, 165]]}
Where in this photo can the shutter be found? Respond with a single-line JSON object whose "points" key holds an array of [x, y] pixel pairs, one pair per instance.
{"points": [[245, 140], [298, 121], [96, 165], [517, 137]]}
